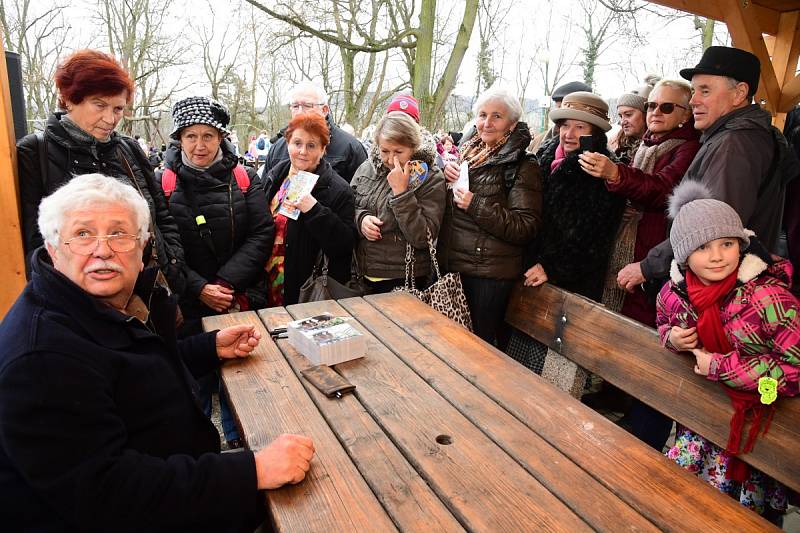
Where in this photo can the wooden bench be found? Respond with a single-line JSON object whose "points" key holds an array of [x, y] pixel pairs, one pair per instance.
{"points": [[628, 355]]}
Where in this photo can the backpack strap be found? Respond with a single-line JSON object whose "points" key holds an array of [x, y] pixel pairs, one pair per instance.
{"points": [[242, 178], [168, 181], [41, 147]]}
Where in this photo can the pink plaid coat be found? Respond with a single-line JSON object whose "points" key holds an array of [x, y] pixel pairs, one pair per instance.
{"points": [[760, 319]]}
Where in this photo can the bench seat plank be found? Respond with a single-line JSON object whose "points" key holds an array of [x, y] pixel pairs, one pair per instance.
{"points": [[628, 355], [269, 401], [474, 477], [664, 493], [411, 503]]}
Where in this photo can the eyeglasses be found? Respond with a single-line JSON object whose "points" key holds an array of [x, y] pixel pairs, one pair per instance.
{"points": [[664, 107], [87, 244], [305, 106]]}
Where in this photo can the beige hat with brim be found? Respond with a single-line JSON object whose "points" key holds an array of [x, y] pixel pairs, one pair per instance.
{"points": [[584, 106]]}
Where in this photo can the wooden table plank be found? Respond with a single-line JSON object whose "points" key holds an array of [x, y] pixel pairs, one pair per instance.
{"points": [[582, 493], [410, 502], [654, 486], [269, 401], [628, 355], [484, 487]]}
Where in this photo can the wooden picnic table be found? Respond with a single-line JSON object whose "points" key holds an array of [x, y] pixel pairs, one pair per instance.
{"points": [[446, 433]]}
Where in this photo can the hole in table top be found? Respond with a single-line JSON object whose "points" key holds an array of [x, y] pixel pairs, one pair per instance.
{"points": [[444, 439]]}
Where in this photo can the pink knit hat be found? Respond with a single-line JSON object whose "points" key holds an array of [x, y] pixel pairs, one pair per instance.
{"points": [[405, 103]]}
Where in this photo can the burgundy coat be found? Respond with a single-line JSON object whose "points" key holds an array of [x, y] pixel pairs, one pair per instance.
{"points": [[649, 192]]}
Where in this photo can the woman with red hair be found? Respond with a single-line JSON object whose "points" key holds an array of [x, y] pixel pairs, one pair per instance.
{"points": [[326, 219], [93, 92]]}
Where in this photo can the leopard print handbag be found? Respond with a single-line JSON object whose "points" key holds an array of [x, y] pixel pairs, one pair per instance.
{"points": [[446, 294]]}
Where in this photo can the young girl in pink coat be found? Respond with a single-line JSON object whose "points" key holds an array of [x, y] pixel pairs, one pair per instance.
{"points": [[732, 309]]}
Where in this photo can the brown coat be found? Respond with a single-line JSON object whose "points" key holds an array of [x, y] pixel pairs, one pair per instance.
{"points": [[405, 218], [487, 240]]}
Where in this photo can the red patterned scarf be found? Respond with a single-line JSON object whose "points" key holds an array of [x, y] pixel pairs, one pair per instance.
{"points": [[707, 300]]}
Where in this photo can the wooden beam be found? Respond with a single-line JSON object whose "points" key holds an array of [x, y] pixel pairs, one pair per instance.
{"points": [[791, 94], [787, 47], [767, 19], [12, 260], [747, 35]]}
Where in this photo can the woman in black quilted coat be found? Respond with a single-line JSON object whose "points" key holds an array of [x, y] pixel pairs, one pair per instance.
{"points": [[223, 220]]}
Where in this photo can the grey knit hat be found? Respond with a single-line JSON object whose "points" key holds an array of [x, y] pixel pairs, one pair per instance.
{"points": [[637, 98], [199, 110], [698, 219]]}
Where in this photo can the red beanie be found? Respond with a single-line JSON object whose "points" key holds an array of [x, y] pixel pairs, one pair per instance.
{"points": [[405, 103]]}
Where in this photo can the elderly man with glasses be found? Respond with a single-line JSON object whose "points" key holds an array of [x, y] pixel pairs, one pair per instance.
{"points": [[100, 428], [344, 152]]}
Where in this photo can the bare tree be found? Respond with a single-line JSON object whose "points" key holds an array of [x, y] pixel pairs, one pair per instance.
{"points": [[491, 17], [377, 26], [141, 34], [39, 38], [603, 23]]}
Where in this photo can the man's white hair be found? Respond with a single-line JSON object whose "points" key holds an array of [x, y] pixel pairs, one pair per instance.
{"points": [[306, 87], [90, 190]]}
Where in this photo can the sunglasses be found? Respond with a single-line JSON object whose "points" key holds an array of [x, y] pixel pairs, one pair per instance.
{"points": [[664, 107]]}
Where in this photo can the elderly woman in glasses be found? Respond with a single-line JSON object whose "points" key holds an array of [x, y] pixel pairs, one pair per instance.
{"points": [[667, 149]]}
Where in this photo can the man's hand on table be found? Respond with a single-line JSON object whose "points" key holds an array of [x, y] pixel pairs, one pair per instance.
{"points": [[284, 460], [237, 341]]}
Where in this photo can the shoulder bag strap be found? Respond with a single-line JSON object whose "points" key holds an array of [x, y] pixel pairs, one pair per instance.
{"points": [[41, 141], [432, 251]]}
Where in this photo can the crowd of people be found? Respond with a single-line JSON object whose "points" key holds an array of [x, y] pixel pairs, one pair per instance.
{"points": [[124, 262]]}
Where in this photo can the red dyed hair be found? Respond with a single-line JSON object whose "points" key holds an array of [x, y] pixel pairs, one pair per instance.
{"points": [[89, 72], [313, 123]]}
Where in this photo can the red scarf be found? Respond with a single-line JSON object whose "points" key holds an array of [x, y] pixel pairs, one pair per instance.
{"points": [[707, 301]]}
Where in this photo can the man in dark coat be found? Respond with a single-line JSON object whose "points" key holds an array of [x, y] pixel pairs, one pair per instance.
{"points": [[344, 152], [99, 426], [743, 160]]}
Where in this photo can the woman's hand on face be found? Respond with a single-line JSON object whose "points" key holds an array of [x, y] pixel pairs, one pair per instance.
{"points": [[462, 198], [451, 172], [599, 166], [398, 177], [216, 297], [535, 276], [371, 228]]}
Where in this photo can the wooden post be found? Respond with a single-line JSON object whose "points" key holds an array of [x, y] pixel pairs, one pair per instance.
{"points": [[12, 260]]}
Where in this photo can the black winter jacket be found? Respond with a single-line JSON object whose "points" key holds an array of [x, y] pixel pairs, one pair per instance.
{"points": [[344, 152], [328, 226], [100, 429], [580, 221], [241, 229], [489, 238], [67, 157]]}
